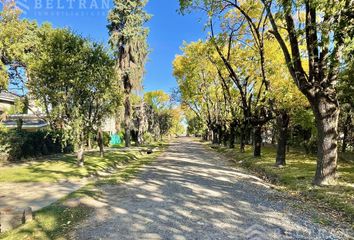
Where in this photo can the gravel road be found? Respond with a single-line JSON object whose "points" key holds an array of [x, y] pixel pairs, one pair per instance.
{"points": [[192, 193]]}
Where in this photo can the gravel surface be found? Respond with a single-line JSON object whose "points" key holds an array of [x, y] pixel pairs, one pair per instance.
{"points": [[19, 196], [192, 193]]}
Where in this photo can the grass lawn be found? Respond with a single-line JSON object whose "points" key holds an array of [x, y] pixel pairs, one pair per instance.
{"points": [[56, 220], [297, 176], [64, 167]]}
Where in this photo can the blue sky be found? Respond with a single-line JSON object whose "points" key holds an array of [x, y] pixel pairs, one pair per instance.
{"points": [[168, 29]]}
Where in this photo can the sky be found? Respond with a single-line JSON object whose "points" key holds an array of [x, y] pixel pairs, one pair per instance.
{"points": [[168, 30]]}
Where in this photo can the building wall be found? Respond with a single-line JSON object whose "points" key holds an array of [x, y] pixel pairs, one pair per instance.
{"points": [[5, 106]]}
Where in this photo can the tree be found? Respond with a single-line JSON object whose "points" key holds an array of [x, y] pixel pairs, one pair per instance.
{"points": [[242, 27], [201, 91], [345, 90], [128, 39], [326, 37], [74, 81], [163, 117], [327, 28], [18, 38], [288, 100]]}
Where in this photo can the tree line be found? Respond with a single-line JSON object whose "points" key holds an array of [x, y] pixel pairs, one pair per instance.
{"points": [[272, 66], [79, 83]]}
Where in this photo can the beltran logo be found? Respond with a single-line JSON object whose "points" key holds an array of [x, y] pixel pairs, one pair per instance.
{"points": [[63, 7], [22, 4]]}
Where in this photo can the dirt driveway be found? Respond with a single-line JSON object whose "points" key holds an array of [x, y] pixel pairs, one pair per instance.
{"points": [[192, 193]]}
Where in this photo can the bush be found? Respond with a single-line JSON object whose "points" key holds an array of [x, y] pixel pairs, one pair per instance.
{"points": [[15, 145], [148, 137], [106, 139]]}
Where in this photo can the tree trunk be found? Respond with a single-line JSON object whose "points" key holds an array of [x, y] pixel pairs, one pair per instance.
{"points": [[274, 133], [232, 135], [81, 150], [248, 135], [257, 141], [100, 141], [220, 135], [225, 136], [89, 142], [80, 155], [346, 129], [283, 124], [242, 140], [215, 136], [326, 115], [127, 121]]}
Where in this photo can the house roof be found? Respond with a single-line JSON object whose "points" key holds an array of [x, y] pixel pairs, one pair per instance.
{"points": [[29, 122], [7, 96]]}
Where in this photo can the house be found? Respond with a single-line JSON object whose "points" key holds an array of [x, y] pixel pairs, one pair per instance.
{"points": [[33, 120], [7, 100]]}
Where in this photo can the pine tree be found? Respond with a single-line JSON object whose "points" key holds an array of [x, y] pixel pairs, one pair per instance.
{"points": [[128, 38]]}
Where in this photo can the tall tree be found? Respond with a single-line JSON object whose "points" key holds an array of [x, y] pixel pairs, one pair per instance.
{"points": [[74, 81], [327, 28], [18, 38], [128, 38]]}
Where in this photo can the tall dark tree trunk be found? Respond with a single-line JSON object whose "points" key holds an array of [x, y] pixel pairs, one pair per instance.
{"points": [[89, 142], [100, 141], [232, 136], [127, 121], [346, 129], [220, 134], [257, 141], [326, 114], [225, 138], [215, 139], [206, 135], [248, 135], [283, 124]]}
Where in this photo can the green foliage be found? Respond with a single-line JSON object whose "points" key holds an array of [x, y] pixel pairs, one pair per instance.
{"points": [[195, 126], [16, 145], [163, 117], [158, 100], [148, 137], [128, 39], [75, 82], [18, 39], [106, 139]]}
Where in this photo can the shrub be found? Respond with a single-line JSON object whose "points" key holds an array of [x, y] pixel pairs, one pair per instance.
{"points": [[148, 137], [16, 145], [106, 139]]}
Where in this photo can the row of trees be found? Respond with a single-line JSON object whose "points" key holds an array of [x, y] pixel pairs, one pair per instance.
{"points": [[266, 60], [80, 83], [72, 78]]}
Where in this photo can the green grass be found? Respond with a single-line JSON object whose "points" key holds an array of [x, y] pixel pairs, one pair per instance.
{"points": [[56, 220], [296, 177], [64, 167]]}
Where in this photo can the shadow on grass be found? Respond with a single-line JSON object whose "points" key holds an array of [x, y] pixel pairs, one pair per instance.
{"points": [[66, 168], [56, 220], [297, 177]]}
